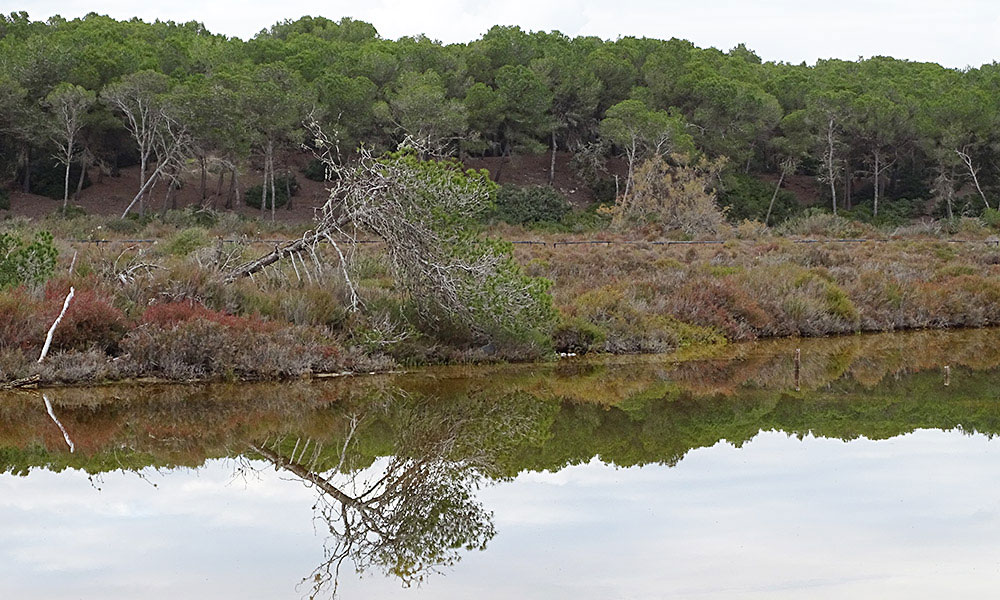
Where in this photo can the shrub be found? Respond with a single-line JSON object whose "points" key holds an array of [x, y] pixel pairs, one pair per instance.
{"points": [[751, 230], [186, 241], [26, 264], [282, 186], [631, 329], [890, 212], [192, 216], [604, 191], [4, 199], [748, 198], [578, 335], [677, 195], [71, 211], [818, 222], [520, 205], [991, 217], [314, 171], [21, 326], [200, 348], [90, 321], [48, 178], [721, 305], [171, 314]]}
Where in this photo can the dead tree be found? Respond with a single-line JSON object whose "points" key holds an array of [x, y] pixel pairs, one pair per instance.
{"points": [[427, 212]]}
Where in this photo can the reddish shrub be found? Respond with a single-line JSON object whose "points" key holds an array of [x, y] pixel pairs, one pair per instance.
{"points": [[721, 304], [171, 314], [21, 324], [90, 321]]}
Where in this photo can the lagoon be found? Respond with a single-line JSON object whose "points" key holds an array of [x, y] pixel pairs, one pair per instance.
{"points": [[702, 475]]}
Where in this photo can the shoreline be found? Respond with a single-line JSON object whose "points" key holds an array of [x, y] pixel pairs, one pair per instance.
{"points": [[733, 351]]}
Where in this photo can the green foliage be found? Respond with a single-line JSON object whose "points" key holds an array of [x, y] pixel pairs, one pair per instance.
{"points": [[26, 263], [991, 218], [463, 285], [636, 128], [48, 178], [899, 128], [282, 184], [520, 205], [71, 211], [890, 212], [747, 197], [4, 199], [578, 336], [314, 171], [186, 241]]}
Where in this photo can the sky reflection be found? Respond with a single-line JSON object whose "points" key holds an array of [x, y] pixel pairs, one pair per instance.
{"points": [[913, 516]]}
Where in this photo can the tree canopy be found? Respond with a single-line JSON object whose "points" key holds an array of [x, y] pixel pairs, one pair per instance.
{"points": [[872, 132]]}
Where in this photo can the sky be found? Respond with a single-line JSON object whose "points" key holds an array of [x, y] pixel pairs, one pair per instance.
{"points": [[914, 516], [957, 33]]}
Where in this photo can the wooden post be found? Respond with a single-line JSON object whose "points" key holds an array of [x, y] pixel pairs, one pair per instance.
{"points": [[947, 376]]}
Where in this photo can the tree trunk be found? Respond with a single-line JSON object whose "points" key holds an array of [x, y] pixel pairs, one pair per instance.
{"points": [[69, 163], [552, 163], [233, 190], [279, 253], [974, 173], [288, 189], [274, 196], [143, 165], [831, 174], [504, 151], [222, 178], [848, 188], [79, 182], [142, 191], [26, 184], [774, 196], [204, 180], [878, 171], [263, 186]]}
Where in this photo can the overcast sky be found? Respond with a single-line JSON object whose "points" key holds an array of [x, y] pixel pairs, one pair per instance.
{"points": [[956, 33]]}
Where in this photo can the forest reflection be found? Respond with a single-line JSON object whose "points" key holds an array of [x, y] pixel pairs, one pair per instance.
{"points": [[395, 461]]}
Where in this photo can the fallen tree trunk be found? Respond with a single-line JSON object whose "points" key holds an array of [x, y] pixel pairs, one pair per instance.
{"points": [[25, 382]]}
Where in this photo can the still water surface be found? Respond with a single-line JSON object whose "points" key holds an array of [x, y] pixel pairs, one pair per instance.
{"points": [[681, 477]]}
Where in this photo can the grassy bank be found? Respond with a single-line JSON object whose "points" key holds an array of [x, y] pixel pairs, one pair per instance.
{"points": [[159, 308]]}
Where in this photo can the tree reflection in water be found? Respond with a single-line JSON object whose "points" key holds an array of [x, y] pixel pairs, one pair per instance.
{"points": [[414, 512]]}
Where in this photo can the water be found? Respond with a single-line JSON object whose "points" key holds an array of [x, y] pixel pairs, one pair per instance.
{"points": [[703, 476]]}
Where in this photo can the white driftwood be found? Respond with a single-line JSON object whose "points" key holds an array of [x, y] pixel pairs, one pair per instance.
{"points": [[52, 415], [52, 330]]}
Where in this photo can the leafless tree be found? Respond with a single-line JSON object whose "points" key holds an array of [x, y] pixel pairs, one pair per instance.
{"points": [[412, 513], [973, 172], [426, 213]]}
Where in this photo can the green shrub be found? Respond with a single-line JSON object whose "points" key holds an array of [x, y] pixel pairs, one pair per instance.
{"points": [[991, 217], [520, 205], [186, 241], [748, 198], [578, 335], [604, 191], [282, 185], [49, 178], [22, 263], [71, 211], [4, 199], [314, 171], [890, 212], [193, 216]]}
